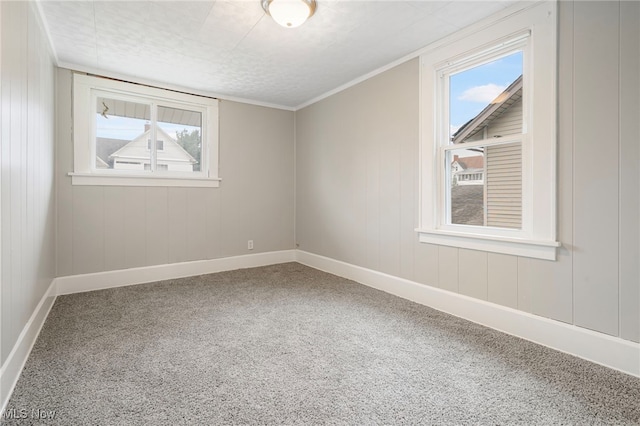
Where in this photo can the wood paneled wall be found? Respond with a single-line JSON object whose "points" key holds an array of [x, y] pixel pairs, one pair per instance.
{"points": [[104, 228], [27, 155], [357, 183]]}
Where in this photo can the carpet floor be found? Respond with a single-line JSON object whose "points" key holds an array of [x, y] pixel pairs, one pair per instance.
{"points": [[287, 344]]}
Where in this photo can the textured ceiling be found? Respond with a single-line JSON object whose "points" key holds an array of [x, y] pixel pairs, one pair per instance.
{"points": [[231, 48]]}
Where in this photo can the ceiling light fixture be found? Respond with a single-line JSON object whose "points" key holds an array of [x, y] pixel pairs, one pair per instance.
{"points": [[289, 13]]}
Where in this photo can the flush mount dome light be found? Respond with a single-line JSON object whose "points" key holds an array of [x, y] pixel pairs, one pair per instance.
{"points": [[289, 13]]}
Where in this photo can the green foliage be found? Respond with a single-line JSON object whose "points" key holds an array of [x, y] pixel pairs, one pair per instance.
{"points": [[192, 143]]}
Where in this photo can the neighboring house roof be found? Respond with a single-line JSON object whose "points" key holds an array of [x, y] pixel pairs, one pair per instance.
{"points": [[494, 110], [138, 149], [101, 164], [107, 146]]}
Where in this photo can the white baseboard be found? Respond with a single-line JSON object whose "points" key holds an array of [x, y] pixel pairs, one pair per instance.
{"points": [[124, 277], [12, 367], [603, 349]]}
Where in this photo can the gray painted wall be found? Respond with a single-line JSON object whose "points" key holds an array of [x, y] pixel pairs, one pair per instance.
{"points": [[104, 228], [27, 190], [357, 183]]}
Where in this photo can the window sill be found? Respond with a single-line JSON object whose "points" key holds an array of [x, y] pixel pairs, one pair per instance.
{"points": [[93, 179], [514, 246]]}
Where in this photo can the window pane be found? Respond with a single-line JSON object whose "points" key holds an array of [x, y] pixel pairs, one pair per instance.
{"points": [[486, 101], [179, 139], [122, 129], [485, 186], [504, 185], [466, 189]]}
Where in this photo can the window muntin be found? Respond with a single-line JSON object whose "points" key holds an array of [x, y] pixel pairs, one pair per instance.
{"points": [[132, 132], [159, 145]]}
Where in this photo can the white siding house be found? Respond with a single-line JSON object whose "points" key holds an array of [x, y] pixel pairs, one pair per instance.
{"points": [[468, 170], [136, 155]]}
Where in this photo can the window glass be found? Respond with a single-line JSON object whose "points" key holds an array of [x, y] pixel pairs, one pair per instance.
{"points": [[466, 188], [159, 144], [484, 182], [121, 134], [128, 134], [181, 132], [503, 185], [485, 185], [480, 96]]}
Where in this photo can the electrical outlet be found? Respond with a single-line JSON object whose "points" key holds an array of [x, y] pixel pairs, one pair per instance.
{"points": [[250, 244]]}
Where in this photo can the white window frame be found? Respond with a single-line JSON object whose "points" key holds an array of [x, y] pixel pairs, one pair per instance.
{"points": [[87, 88], [532, 30], [510, 45]]}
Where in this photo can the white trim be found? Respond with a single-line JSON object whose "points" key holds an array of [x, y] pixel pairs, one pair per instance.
{"points": [[45, 28], [12, 367], [458, 34], [487, 22], [514, 246], [125, 277], [596, 347], [357, 81], [609, 351], [138, 180], [167, 86], [85, 90]]}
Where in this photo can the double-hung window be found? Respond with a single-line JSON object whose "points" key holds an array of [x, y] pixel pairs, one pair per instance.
{"points": [[135, 135], [488, 144]]}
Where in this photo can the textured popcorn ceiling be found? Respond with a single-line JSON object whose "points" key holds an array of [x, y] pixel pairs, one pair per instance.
{"points": [[231, 48]]}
